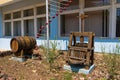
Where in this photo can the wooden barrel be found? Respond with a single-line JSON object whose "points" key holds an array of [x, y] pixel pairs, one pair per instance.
{"points": [[21, 43]]}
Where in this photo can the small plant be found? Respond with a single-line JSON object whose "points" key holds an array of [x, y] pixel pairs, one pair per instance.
{"points": [[51, 53]]}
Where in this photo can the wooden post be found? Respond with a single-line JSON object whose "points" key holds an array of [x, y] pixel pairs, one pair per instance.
{"points": [[82, 16]]}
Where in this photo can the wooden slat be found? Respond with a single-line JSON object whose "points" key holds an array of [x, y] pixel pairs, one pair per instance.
{"points": [[76, 58], [73, 61], [81, 44], [85, 34], [80, 48]]}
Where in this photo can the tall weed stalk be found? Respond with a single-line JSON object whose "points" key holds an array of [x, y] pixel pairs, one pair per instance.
{"points": [[51, 53]]}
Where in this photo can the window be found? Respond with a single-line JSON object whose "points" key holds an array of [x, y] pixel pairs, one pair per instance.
{"points": [[17, 15], [73, 5], [17, 28], [93, 3], [118, 1], [7, 28], [29, 27], [41, 10], [40, 24], [7, 16], [118, 23], [98, 22], [28, 12], [69, 23]]}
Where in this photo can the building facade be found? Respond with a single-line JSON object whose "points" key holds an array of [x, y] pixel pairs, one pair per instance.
{"points": [[26, 17]]}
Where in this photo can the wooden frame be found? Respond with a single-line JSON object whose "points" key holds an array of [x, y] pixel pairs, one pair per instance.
{"points": [[81, 52]]}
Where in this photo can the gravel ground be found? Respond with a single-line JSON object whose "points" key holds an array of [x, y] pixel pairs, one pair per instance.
{"points": [[37, 69]]}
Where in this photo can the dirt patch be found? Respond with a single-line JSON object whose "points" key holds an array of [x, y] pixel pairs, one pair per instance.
{"points": [[36, 69]]}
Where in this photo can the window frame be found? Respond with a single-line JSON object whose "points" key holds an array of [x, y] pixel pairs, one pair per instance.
{"points": [[17, 17], [4, 29], [72, 11], [28, 13], [103, 4], [22, 19], [82, 10], [67, 35], [14, 26]]}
